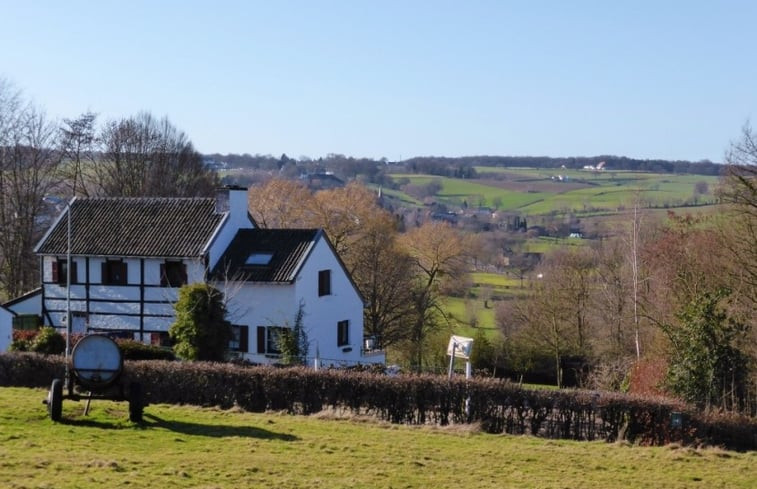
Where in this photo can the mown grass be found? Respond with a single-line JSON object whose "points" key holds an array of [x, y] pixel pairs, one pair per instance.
{"points": [[211, 448]]}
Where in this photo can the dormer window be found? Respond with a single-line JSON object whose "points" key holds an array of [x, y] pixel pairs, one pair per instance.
{"points": [[259, 259]]}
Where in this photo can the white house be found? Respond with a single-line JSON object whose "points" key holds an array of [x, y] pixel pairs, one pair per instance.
{"points": [[129, 256]]}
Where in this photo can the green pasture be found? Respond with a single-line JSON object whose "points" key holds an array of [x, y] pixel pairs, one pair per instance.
{"points": [[478, 308], [455, 191], [208, 448], [601, 191], [545, 244]]}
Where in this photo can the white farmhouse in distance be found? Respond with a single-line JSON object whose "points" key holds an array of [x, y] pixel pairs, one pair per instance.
{"points": [[129, 256]]}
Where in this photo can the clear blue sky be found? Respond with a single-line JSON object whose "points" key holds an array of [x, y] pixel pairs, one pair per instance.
{"points": [[644, 79]]}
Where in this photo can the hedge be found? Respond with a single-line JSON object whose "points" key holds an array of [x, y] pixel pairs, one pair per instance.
{"points": [[498, 406]]}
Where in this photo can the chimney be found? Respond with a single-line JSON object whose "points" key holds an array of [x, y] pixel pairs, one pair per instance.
{"points": [[222, 200], [232, 200]]}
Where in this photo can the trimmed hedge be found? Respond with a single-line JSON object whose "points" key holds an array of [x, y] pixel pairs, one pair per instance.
{"points": [[499, 406]]}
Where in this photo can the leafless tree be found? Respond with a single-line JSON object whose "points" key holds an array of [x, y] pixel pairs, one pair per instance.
{"points": [[78, 144], [29, 169], [145, 156], [739, 190]]}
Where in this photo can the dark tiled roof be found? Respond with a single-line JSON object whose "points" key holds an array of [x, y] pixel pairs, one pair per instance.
{"points": [[288, 246], [162, 227]]}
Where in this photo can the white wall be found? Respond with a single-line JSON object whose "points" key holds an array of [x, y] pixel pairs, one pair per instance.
{"points": [[31, 305], [116, 307], [267, 304], [323, 313], [6, 329]]}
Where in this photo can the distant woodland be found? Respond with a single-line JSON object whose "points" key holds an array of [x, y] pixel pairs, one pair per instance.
{"points": [[374, 171]]}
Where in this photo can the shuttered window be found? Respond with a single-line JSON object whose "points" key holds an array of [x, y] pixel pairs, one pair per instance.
{"points": [[114, 272], [59, 271]]}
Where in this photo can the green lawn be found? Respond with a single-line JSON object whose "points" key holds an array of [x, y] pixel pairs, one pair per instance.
{"points": [[189, 447]]}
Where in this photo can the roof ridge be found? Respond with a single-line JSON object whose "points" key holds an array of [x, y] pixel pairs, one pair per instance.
{"points": [[83, 199]]}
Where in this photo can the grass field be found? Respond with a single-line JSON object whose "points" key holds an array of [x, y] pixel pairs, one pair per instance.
{"points": [[189, 447], [536, 191]]}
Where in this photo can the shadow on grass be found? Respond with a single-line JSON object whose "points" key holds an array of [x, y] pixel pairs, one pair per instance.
{"points": [[216, 431], [95, 423], [197, 429]]}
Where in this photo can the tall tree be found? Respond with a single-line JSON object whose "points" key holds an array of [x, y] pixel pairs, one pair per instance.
{"points": [[438, 253], [346, 214], [280, 204], [145, 156], [380, 270], [738, 189], [29, 169], [78, 144]]}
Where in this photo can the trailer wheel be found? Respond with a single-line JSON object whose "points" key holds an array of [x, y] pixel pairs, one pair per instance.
{"points": [[135, 402], [55, 400]]}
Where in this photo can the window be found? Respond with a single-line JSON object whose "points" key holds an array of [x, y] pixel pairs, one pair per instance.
{"points": [[173, 274], [114, 272], [259, 259], [269, 338], [238, 338], [324, 283], [160, 339], [60, 269], [343, 333]]}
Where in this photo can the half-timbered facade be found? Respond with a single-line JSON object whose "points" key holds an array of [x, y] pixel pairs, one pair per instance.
{"points": [[129, 256]]}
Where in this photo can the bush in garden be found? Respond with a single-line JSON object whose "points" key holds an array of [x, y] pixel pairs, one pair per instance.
{"points": [[200, 331], [22, 339], [48, 342], [135, 350]]}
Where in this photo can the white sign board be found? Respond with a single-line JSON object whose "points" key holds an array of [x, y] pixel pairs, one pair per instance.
{"points": [[460, 346]]}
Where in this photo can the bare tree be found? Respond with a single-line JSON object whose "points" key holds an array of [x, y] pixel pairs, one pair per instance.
{"points": [[78, 144], [29, 169], [280, 204], [738, 189], [145, 156], [438, 253], [380, 270]]}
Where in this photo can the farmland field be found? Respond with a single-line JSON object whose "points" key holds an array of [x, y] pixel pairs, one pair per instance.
{"points": [[540, 191], [211, 448]]}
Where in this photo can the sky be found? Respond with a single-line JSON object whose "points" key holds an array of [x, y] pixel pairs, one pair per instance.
{"points": [[396, 79]]}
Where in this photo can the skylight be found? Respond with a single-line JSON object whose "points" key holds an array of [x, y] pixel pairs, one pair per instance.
{"points": [[259, 259]]}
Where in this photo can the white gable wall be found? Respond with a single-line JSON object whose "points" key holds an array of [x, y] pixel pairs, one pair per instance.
{"points": [[268, 304], [344, 303], [6, 329]]}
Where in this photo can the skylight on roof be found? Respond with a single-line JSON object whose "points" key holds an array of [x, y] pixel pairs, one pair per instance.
{"points": [[259, 259]]}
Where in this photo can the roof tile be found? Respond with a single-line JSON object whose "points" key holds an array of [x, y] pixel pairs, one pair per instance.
{"points": [[163, 227]]}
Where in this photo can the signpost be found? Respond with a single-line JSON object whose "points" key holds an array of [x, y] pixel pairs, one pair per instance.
{"points": [[460, 347]]}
